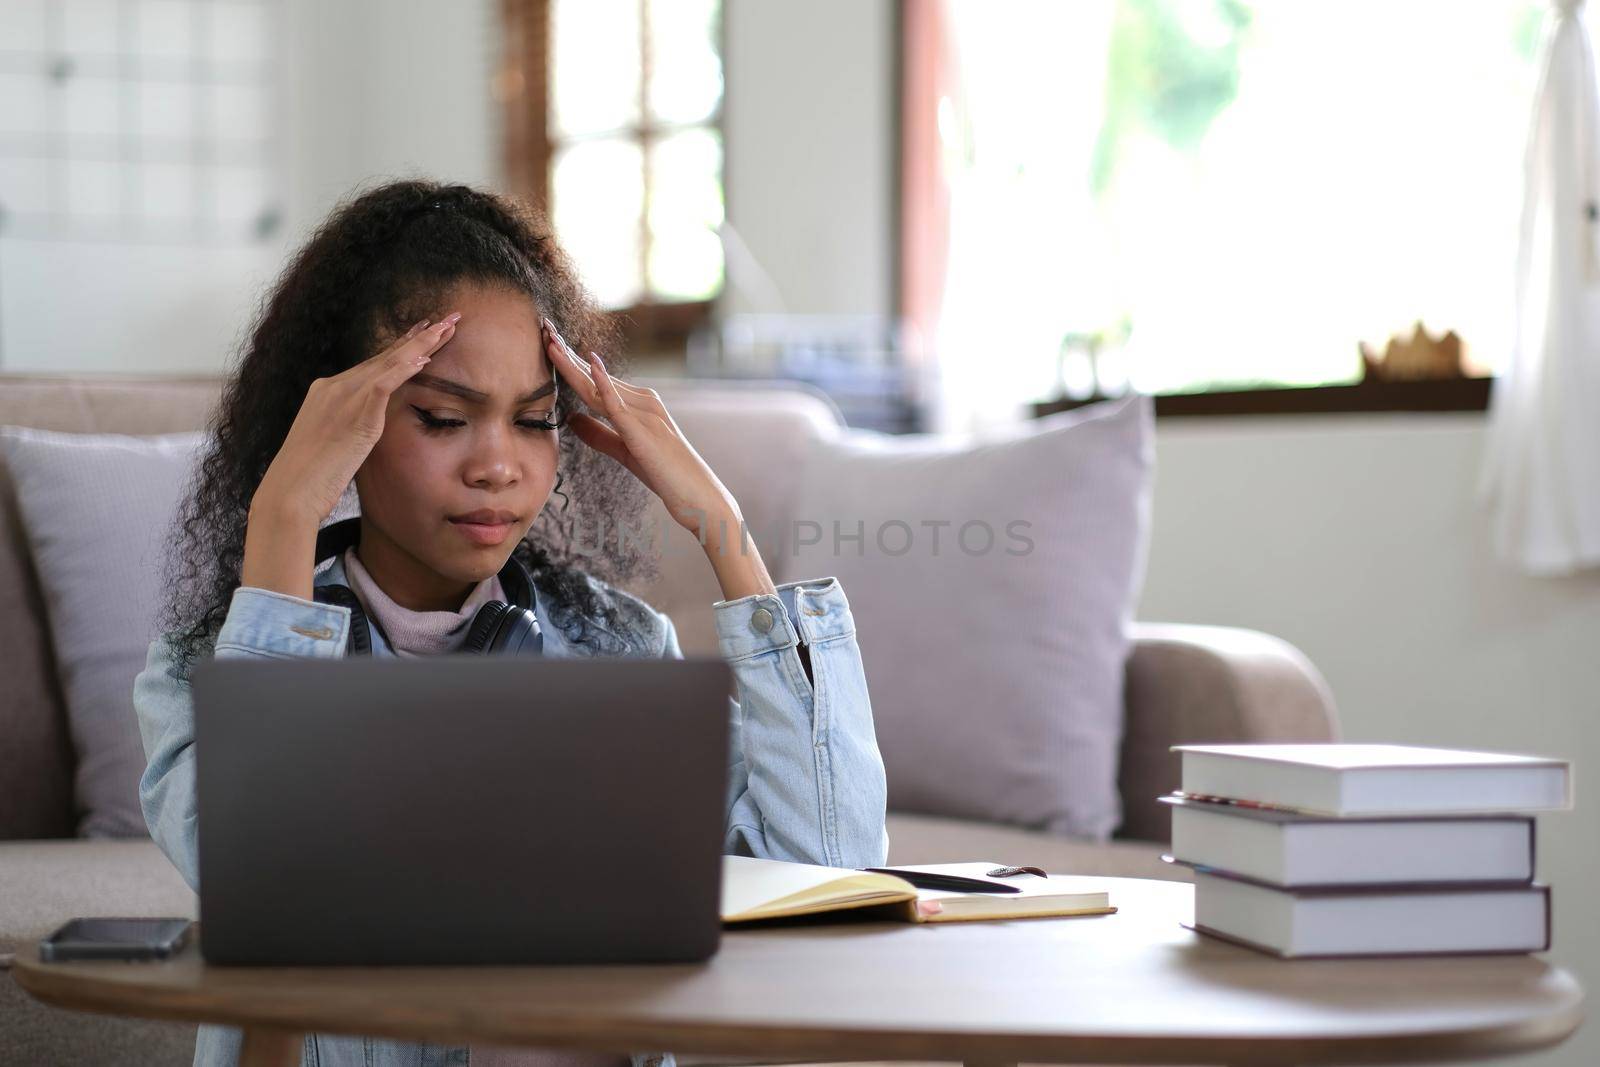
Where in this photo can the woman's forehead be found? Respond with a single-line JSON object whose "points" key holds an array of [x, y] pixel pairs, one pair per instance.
{"points": [[486, 373], [497, 349], [442, 383], [496, 352]]}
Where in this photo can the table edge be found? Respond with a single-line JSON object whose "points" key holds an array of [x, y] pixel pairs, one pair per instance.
{"points": [[42, 981]]}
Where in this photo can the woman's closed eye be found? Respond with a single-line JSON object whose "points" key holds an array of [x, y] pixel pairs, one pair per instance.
{"points": [[435, 424]]}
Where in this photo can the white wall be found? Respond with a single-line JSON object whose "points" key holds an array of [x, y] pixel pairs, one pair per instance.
{"points": [[810, 128], [370, 89], [79, 306], [386, 89], [1358, 539]]}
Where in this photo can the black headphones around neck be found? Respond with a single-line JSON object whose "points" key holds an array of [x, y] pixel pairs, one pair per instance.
{"points": [[498, 628]]}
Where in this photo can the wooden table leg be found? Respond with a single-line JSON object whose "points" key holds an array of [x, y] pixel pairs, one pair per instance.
{"points": [[266, 1047]]}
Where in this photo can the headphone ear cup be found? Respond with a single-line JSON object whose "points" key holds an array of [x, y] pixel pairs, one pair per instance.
{"points": [[500, 627], [485, 627], [519, 634]]}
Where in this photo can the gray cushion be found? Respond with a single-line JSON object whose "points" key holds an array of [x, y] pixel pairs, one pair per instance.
{"points": [[97, 510], [45, 883], [994, 661], [36, 757], [36, 760]]}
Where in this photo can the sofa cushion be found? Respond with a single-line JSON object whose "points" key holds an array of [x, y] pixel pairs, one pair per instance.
{"points": [[992, 578], [45, 883], [36, 758], [36, 762], [97, 510]]}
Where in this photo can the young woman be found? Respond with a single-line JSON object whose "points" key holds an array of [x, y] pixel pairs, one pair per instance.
{"points": [[418, 346]]}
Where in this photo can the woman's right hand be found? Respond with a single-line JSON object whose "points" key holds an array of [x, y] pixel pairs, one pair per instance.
{"points": [[339, 422]]}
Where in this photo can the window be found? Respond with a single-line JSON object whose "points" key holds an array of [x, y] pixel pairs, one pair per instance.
{"points": [[613, 114], [1227, 194]]}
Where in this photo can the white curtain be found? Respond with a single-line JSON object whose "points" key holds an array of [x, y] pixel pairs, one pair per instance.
{"points": [[1541, 478]]}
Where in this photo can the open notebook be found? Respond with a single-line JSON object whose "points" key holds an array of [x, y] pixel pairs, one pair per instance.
{"points": [[770, 889]]}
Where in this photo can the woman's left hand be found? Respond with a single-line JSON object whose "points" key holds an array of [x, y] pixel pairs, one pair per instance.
{"points": [[643, 438]]}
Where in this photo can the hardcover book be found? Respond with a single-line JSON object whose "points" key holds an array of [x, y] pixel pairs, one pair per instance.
{"points": [[1376, 779], [1419, 920], [1290, 848]]}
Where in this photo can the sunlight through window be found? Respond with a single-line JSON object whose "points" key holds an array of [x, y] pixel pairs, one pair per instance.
{"points": [[1221, 194]]}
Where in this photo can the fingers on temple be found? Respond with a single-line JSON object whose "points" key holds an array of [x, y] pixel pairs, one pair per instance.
{"points": [[381, 359], [595, 384], [422, 338], [602, 438], [564, 359], [606, 386], [639, 398], [415, 350], [416, 328], [598, 435]]}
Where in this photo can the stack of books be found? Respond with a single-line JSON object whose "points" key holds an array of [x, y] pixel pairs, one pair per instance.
{"points": [[1365, 850]]}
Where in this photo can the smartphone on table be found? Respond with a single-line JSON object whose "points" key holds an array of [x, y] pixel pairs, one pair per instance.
{"points": [[115, 939]]}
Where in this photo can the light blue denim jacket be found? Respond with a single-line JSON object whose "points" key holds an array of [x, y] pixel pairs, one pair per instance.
{"points": [[805, 779]]}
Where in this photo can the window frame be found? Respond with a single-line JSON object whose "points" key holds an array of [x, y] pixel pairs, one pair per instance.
{"points": [[522, 86], [1432, 395]]}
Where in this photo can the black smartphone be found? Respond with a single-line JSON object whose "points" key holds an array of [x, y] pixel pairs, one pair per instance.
{"points": [[115, 939]]}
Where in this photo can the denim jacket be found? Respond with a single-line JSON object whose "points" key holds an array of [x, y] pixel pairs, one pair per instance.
{"points": [[805, 779]]}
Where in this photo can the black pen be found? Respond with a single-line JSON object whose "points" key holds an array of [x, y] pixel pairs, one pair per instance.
{"points": [[953, 882]]}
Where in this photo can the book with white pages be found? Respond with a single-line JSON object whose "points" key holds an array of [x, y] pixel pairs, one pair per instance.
{"points": [[1422, 920], [1348, 780], [1287, 848], [755, 889]]}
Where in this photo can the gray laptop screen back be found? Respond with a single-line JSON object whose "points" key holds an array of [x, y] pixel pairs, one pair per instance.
{"points": [[460, 809]]}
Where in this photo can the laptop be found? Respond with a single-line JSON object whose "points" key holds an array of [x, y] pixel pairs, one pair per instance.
{"points": [[460, 809]]}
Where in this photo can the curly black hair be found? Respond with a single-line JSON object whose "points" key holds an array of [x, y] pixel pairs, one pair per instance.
{"points": [[383, 259]]}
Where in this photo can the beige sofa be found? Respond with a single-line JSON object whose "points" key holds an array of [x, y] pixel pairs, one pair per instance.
{"points": [[1184, 684]]}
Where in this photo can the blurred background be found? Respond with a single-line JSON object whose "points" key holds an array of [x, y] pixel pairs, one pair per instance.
{"points": [[942, 212], [948, 214]]}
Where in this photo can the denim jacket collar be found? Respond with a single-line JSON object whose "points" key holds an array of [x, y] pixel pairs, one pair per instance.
{"points": [[567, 633], [557, 644]]}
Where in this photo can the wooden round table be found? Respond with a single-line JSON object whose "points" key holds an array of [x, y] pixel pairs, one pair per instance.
{"points": [[1134, 987]]}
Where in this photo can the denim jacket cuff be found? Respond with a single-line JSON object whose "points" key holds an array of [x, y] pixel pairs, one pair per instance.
{"points": [[810, 612], [265, 622]]}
